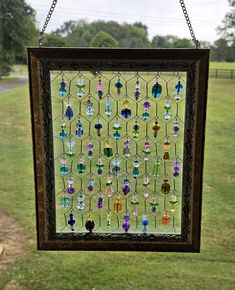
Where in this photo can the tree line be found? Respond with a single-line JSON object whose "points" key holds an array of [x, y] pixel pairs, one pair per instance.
{"points": [[18, 29]]}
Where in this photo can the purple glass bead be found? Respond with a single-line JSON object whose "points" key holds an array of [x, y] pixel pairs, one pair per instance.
{"points": [[70, 189], [126, 189], [147, 105], [90, 146], [126, 218], [176, 166], [176, 173]]}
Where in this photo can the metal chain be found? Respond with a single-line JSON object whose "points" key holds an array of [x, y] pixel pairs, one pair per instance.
{"points": [[54, 2], [49, 14], [194, 39]]}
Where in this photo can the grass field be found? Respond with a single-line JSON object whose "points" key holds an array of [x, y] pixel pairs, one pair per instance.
{"points": [[213, 268]]}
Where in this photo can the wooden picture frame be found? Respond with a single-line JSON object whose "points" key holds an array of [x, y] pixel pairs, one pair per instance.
{"points": [[195, 63]]}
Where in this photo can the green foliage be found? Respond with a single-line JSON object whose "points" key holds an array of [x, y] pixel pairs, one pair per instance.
{"points": [[17, 30], [221, 51], [227, 30], [103, 39], [53, 40], [170, 41]]}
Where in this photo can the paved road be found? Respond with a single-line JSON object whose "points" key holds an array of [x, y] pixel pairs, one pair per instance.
{"points": [[14, 84]]}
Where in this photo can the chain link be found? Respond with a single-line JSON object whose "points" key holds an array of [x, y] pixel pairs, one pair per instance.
{"points": [[194, 39], [49, 14], [54, 2]]}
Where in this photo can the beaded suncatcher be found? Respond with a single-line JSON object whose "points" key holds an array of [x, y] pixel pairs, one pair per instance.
{"points": [[118, 147]]}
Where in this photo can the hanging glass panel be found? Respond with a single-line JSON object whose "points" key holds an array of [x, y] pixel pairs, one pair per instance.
{"points": [[118, 142]]}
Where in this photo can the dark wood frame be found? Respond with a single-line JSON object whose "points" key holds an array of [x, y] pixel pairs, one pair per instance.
{"points": [[193, 61]]}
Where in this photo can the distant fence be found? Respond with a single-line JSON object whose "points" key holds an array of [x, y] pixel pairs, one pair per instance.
{"points": [[222, 73]]}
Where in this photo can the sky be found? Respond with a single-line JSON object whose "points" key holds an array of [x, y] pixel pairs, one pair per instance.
{"points": [[163, 17]]}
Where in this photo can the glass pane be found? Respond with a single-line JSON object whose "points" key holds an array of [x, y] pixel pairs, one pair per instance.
{"points": [[118, 148]]}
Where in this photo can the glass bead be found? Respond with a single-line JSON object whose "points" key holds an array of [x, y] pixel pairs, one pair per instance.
{"points": [[145, 116], [165, 187], [65, 202], [79, 130], [166, 146], [146, 193], [70, 144], [118, 84], [126, 224], [145, 222], [156, 129], [175, 129], [135, 172], [166, 219], [156, 169], [126, 186], [80, 88], [176, 168], [108, 111], [109, 191], [137, 94], [62, 90], [126, 113], [63, 135], [179, 87], [154, 205], [146, 181], [173, 202], [116, 135], [81, 198], [90, 184], [81, 206], [108, 150], [126, 104], [89, 108], [69, 112], [100, 202], [98, 126], [90, 149], [89, 225], [136, 128], [134, 204], [156, 90], [147, 106], [108, 220], [71, 222], [118, 204], [64, 170], [137, 85], [177, 96], [81, 166], [99, 88], [116, 169]]}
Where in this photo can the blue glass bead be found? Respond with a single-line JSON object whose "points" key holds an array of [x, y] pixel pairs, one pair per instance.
{"points": [[62, 91], [156, 90], [69, 113], [135, 172], [118, 84], [145, 222], [126, 113], [146, 115], [179, 87], [64, 170], [116, 135], [63, 135]]}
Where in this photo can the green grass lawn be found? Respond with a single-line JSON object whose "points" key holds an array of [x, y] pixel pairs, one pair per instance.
{"points": [[222, 65], [213, 268]]}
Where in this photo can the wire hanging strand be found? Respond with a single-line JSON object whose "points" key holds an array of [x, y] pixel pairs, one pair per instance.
{"points": [[49, 14], [194, 39]]}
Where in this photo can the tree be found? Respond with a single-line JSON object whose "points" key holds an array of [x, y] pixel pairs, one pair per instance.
{"points": [[17, 30], [54, 40], [227, 30], [103, 39], [171, 41]]}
